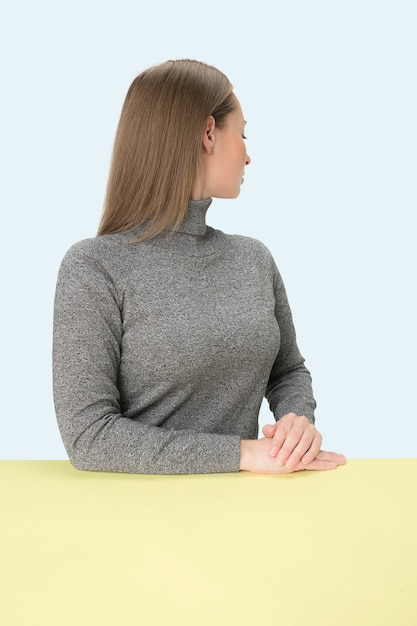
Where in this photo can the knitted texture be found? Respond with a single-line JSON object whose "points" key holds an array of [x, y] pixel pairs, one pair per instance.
{"points": [[164, 350]]}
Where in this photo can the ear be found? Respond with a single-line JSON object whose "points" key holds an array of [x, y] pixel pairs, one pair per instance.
{"points": [[209, 137]]}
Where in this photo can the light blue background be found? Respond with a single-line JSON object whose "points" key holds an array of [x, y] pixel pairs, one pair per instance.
{"points": [[329, 92]]}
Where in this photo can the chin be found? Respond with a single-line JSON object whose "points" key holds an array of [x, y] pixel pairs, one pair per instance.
{"points": [[228, 193], [227, 196], [235, 193]]}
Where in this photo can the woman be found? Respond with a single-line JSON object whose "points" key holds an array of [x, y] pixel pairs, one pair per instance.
{"points": [[167, 333]]}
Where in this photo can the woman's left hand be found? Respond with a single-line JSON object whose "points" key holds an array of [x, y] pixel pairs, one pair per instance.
{"points": [[293, 440]]}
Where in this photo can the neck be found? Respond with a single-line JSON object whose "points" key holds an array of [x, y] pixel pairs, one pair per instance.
{"points": [[194, 222]]}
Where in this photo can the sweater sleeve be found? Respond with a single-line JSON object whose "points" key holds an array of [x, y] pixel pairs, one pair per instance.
{"points": [[87, 341], [289, 387]]}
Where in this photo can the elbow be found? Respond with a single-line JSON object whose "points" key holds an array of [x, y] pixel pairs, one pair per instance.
{"points": [[78, 463], [84, 451], [79, 456], [78, 460]]}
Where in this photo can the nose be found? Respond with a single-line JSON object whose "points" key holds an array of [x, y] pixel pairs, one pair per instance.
{"points": [[247, 160]]}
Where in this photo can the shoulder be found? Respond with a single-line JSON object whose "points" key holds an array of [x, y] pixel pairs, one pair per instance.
{"points": [[255, 249], [96, 261], [255, 254], [106, 251], [91, 270], [95, 247]]}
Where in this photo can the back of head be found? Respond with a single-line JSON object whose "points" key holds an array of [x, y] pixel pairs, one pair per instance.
{"points": [[157, 148]]}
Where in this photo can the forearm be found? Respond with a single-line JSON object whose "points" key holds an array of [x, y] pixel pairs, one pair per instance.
{"points": [[113, 443], [292, 392]]}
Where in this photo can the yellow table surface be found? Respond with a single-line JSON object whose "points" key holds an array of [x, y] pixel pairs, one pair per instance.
{"points": [[327, 548]]}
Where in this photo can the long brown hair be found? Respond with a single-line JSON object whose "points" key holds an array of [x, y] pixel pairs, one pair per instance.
{"points": [[157, 148]]}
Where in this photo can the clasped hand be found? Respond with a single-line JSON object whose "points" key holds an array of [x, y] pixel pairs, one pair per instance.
{"points": [[290, 445]]}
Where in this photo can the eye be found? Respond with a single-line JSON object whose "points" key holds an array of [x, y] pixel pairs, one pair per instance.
{"points": [[243, 137]]}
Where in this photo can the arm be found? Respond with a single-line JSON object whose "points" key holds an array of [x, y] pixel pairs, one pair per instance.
{"points": [[294, 438], [88, 328], [289, 387]]}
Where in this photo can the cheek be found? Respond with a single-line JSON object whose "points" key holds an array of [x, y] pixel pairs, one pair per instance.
{"points": [[243, 152]]}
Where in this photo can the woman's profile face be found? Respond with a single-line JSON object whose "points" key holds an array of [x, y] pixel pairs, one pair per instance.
{"points": [[229, 156]]}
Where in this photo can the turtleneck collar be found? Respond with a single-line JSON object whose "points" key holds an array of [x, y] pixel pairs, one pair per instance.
{"points": [[194, 222]]}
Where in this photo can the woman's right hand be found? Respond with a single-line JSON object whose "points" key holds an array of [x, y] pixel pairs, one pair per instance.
{"points": [[255, 458]]}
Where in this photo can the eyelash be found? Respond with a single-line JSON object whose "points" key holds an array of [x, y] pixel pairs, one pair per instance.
{"points": [[244, 137]]}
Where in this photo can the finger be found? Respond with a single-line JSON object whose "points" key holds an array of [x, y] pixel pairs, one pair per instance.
{"points": [[326, 460], [280, 436], [284, 424], [323, 455], [323, 461], [269, 430], [313, 450], [291, 441], [318, 465], [304, 447]]}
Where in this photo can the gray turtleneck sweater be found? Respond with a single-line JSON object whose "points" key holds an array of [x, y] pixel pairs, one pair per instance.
{"points": [[164, 349]]}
